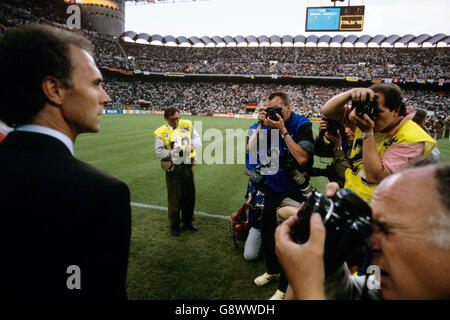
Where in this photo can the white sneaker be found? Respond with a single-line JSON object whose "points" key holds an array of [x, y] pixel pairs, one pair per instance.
{"points": [[266, 278], [279, 295]]}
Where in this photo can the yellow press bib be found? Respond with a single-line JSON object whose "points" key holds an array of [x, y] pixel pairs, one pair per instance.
{"points": [[409, 132], [181, 136]]}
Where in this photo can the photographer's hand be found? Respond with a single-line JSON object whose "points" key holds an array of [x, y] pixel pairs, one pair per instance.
{"points": [[323, 125], [303, 264], [365, 124], [277, 124], [190, 148], [331, 189], [300, 154], [335, 140], [262, 116], [176, 156], [360, 94], [335, 107]]}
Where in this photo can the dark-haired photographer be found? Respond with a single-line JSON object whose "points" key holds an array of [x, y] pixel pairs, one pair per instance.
{"points": [[386, 138], [341, 139], [295, 147], [338, 149]]}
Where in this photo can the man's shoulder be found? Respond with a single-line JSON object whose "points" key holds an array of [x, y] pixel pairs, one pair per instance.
{"points": [[299, 123], [300, 118], [409, 130], [159, 131], [90, 174], [185, 123]]}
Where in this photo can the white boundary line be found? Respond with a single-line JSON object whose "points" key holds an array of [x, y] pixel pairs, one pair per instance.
{"points": [[143, 205]]}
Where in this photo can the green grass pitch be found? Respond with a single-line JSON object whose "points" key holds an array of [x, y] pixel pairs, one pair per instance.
{"points": [[195, 266]]}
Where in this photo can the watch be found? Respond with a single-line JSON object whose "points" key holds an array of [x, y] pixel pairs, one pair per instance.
{"points": [[366, 135], [284, 135]]}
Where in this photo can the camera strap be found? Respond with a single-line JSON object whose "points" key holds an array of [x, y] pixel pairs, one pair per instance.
{"points": [[329, 212]]}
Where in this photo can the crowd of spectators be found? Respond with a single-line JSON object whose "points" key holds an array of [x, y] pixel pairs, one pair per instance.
{"points": [[205, 97], [108, 53], [366, 63], [18, 12]]}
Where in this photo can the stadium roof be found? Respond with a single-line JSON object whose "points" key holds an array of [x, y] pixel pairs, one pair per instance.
{"points": [[394, 40]]}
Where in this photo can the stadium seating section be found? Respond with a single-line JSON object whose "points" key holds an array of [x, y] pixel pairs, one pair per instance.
{"points": [[363, 63]]}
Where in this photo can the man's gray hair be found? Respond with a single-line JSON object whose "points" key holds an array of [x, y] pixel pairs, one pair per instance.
{"points": [[439, 222]]}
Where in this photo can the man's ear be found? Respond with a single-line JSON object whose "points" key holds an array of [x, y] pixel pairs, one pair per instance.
{"points": [[53, 89], [287, 111]]}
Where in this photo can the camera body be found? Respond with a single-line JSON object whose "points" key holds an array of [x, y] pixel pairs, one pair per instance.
{"points": [[348, 222], [257, 180], [272, 113], [333, 126], [367, 107]]}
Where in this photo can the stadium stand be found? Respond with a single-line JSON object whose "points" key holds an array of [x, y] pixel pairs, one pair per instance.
{"points": [[228, 97], [351, 62], [400, 59]]}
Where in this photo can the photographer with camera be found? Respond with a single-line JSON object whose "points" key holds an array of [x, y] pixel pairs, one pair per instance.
{"points": [[341, 138], [338, 149], [386, 138], [291, 180], [409, 241], [175, 145]]}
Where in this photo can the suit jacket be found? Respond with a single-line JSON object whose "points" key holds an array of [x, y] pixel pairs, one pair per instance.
{"points": [[57, 212]]}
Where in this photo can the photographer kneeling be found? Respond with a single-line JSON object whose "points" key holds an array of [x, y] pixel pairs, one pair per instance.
{"points": [[341, 139], [386, 138], [291, 180], [409, 242]]}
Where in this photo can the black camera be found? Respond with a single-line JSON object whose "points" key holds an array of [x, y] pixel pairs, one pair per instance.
{"points": [[367, 107], [348, 222], [257, 180], [333, 126], [273, 111]]}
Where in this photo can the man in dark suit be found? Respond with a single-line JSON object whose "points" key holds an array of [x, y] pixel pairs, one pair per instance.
{"points": [[65, 225]]}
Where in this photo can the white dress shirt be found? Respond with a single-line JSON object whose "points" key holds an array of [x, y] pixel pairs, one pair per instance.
{"points": [[50, 132]]}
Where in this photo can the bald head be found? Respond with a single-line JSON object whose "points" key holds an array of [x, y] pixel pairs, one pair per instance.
{"points": [[411, 236], [422, 193]]}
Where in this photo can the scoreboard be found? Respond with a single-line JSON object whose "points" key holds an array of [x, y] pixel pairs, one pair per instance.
{"points": [[350, 18]]}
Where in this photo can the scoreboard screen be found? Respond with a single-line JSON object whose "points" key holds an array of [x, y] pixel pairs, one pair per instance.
{"points": [[349, 18]]}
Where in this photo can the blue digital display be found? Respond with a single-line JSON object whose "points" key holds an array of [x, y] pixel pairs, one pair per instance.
{"points": [[323, 19]]}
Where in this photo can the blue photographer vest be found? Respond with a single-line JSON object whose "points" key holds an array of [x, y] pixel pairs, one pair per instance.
{"points": [[281, 181]]}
